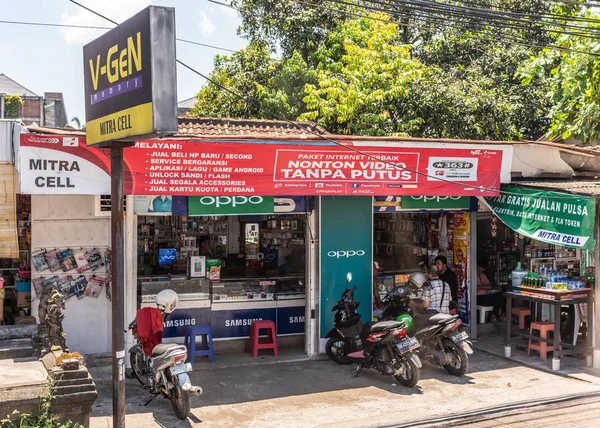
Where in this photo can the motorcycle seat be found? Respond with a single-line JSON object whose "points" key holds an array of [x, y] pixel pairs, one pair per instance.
{"points": [[441, 317], [380, 326], [162, 348]]}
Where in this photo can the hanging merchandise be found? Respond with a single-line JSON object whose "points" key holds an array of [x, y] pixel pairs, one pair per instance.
{"points": [[67, 261], [65, 286], [94, 287], [82, 263], [53, 260], [94, 258], [38, 284], [443, 238], [108, 283], [79, 286], [39, 261]]}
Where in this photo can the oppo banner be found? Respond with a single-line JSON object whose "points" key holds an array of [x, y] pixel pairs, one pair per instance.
{"points": [[346, 246], [65, 165]]}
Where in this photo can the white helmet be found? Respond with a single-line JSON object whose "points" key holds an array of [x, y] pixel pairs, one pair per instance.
{"points": [[167, 301], [417, 279]]}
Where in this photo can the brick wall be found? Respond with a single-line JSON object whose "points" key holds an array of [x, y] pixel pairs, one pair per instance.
{"points": [[31, 110]]}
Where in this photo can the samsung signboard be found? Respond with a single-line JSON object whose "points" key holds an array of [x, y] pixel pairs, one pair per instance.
{"points": [[130, 79]]}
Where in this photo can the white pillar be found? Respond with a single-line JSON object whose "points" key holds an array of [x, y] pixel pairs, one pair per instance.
{"points": [[130, 271], [312, 285]]}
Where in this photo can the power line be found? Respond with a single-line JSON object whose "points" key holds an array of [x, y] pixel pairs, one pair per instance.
{"points": [[91, 27], [44, 24], [473, 15], [337, 143], [430, 29]]}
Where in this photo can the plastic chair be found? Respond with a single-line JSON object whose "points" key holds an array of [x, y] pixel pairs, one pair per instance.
{"points": [[521, 313], [483, 311], [206, 349], [255, 343], [543, 348]]}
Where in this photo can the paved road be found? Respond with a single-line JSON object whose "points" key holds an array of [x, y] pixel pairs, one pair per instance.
{"points": [[322, 394]]}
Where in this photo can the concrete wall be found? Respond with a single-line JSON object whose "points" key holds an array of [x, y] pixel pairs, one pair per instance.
{"points": [[65, 221]]}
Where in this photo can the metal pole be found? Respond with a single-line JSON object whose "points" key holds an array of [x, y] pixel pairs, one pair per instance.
{"points": [[595, 328], [118, 286]]}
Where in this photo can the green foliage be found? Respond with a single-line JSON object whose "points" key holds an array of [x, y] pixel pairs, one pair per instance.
{"points": [[402, 73], [364, 75], [573, 78], [12, 106], [43, 419], [246, 73]]}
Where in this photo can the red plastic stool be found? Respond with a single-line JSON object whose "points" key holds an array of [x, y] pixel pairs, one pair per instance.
{"points": [[542, 347], [269, 343], [521, 313]]}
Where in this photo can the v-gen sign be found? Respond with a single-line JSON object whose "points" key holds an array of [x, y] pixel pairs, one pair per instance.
{"points": [[130, 79]]}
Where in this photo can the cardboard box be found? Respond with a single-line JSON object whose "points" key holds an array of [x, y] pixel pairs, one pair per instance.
{"points": [[23, 299]]}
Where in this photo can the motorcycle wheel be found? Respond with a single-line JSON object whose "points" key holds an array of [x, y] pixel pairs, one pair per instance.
{"points": [[138, 366], [410, 372], [180, 401], [335, 351], [460, 357]]}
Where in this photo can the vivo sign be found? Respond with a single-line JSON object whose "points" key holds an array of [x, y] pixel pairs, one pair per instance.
{"points": [[341, 254]]}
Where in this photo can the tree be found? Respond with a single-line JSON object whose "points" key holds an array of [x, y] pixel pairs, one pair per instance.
{"points": [[364, 75], [411, 71], [245, 72], [77, 122], [573, 78], [12, 106]]}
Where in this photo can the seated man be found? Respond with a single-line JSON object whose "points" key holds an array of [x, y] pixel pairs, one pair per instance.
{"points": [[436, 294], [487, 295]]}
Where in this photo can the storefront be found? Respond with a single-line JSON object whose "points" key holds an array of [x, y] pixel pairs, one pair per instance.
{"points": [[282, 255], [229, 263], [537, 246], [412, 231]]}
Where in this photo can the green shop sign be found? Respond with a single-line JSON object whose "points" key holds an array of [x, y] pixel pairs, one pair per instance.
{"points": [[436, 202], [230, 205], [556, 218]]}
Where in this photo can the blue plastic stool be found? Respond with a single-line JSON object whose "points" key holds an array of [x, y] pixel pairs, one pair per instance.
{"points": [[206, 350]]}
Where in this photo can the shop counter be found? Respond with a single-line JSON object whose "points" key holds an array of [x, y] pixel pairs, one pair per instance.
{"points": [[230, 305], [556, 299]]}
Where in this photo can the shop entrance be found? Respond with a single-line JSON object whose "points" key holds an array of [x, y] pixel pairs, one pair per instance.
{"points": [[403, 242], [228, 272]]}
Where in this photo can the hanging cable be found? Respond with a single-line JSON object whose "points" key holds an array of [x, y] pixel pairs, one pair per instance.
{"points": [[320, 136]]}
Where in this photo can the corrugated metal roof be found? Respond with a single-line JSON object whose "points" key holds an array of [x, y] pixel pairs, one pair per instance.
{"points": [[189, 103], [10, 87], [587, 186]]}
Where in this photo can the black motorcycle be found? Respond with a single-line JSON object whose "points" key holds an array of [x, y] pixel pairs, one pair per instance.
{"points": [[344, 337], [389, 350], [441, 342]]}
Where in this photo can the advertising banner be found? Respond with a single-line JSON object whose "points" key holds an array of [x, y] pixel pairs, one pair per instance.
{"points": [[54, 165], [230, 205], [290, 320], [237, 322], [130, 78], [387, 204], [178, 322], [346, 246], [555, 218]]}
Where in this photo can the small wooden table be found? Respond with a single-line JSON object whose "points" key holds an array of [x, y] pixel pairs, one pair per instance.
{"points": [[556, 299]]}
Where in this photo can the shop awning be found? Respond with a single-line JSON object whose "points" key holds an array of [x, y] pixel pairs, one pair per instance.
{"points": [[553, 217]]}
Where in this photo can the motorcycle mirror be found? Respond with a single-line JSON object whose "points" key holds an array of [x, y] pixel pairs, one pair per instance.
{"points": [[349, 277]]}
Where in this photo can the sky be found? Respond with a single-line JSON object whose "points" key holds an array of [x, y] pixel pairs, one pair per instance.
{"points": [[50, 59]]}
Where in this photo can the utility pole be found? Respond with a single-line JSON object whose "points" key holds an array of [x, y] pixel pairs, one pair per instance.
{"points": [[118, 285]]}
